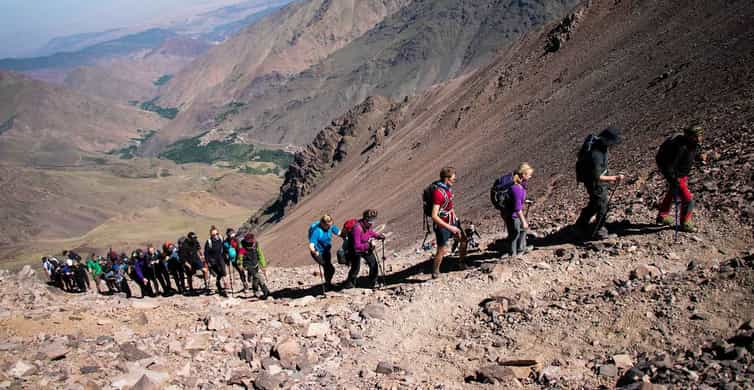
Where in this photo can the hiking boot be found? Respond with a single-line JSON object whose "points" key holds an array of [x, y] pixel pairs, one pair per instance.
{"points": [[526, 250], [665, 221], [435, 275], [348, 284], [601, 234], [688, 227]]}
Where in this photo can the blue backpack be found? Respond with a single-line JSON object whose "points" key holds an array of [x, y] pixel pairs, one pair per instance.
{"points": [[501, 195]]}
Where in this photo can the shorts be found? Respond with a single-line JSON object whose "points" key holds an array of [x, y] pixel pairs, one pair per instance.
{"points": [[442, 235]]}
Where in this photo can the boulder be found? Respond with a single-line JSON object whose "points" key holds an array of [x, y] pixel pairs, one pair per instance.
{"points": [[317, 329], [21, 369], [216, 321], [289, 352], [131, 353], [374, 310], [56, 350], [645, 271], [623, 361], [495, 374], [199, 341], [384, 368]]}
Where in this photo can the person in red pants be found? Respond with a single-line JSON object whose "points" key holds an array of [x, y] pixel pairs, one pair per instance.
{"points": [[675, 160]]}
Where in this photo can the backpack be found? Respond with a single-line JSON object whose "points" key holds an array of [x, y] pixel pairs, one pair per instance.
{"points": [[347, 233], [583, 160], [501, 195], [666, 153], [427, 198], [231, 251]]}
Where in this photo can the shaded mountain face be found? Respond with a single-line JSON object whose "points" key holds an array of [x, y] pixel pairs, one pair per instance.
{"points": [[649, 68], [287, 42], [47, 125], [424, 43]]}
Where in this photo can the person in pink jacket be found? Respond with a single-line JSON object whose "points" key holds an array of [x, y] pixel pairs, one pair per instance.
{"points": [[362, 233]]}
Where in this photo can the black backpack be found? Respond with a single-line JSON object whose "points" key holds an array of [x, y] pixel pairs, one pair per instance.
{"points": [[666, 153], [584, 161], [501, 195], [428, 194]]}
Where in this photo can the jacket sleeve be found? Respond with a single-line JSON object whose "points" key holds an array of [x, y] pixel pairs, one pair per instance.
{"points": [[598, 165], [262, 260], [360, 239]]}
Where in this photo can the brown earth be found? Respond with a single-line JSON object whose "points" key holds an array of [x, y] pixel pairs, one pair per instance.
{"points": [[44, 125], [121, 203]]}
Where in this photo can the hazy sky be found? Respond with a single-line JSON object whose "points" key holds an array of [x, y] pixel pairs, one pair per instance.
{"points": [[26, 25]]}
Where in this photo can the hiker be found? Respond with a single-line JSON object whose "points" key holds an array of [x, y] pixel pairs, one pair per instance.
{"points": [[140, 271], [95, 269], [231, 256], [674, 160], [515, 218], [120, 270], [49, 267], [320, 245], [81, 279], [254, 262], [158, 265], [190, 253], [214, 255], [361, 236], [592, 170], [66, 274], [445, 224], [175, 266]]}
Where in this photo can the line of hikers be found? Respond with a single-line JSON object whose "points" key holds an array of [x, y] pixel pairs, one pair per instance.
{"points": [[151, 269]]}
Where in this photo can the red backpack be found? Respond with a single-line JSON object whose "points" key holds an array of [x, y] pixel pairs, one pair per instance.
{"points": [[348, 228]]}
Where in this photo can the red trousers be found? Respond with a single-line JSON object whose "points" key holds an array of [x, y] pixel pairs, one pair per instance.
{"points": [[678, 187]]}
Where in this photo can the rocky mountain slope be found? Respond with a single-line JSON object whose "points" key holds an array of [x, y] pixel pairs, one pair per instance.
{"points": [[424, 43], [45, 125], [632, 312], [647, 68], [286, 42]]}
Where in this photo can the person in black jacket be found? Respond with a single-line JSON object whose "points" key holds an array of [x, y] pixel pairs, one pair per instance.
{"points": [[592, 170], [675, 159], [214, 250]]}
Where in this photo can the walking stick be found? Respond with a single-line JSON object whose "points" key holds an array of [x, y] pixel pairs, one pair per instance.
{"points": [[383, 263], [322, 276], [230, 274], [676, 201]]}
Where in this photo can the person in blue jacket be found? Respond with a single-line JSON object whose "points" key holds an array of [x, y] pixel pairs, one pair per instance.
{"points": [[320, 245]]}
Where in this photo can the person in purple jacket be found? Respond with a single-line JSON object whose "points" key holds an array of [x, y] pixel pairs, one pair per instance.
{"points": [[140, 273], [362, 233], [516, 220]]}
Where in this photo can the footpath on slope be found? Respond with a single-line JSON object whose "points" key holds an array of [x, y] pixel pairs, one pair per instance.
{"points": [[632, 310]]}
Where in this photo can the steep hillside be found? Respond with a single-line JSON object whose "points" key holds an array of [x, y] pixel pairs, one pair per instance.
{"points": [[50, 125], [425, 43], [649, 68], [286, 42]]}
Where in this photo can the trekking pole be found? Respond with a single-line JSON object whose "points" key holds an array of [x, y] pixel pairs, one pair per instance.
{"points": [[383, 262], [230, 275], [676, 200], [322, 276]]}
